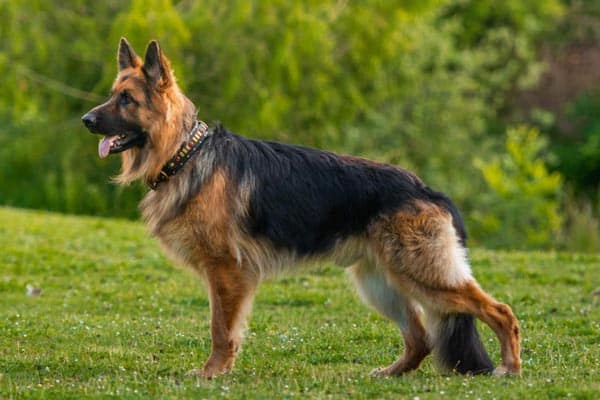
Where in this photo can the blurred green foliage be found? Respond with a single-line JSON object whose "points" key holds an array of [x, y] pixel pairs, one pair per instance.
{"points": [[423, 84], [522, 208], [579, 160]]}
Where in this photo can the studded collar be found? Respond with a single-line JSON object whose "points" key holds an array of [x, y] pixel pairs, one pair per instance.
{"points": [[187, 149]]}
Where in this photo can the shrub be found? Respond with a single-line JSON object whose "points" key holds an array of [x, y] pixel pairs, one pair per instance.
{"points": [[521, 208]]}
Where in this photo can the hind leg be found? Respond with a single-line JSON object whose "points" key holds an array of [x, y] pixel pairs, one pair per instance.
{"points": [[426, 258], [470, 298], [375, 290]]}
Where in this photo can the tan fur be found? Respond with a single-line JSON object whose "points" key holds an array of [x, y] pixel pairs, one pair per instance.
{"points": [[164, 117], [406, 258], [470, 298], [416, 347], [200, 238], [231, 292], [165, 137], [417, 247], [200, 234], [401, 245], [421, 243], [268, 262], [377, 290]]}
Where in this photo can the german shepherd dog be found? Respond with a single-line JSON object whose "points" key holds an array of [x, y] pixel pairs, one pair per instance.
{"points": [[236, 210]]}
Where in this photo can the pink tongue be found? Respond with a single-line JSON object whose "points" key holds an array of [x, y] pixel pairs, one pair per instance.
{"points": [[104, 146]]}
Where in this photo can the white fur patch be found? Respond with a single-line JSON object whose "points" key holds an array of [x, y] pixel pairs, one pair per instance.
{"points": [[459, 270], [375, 290]]}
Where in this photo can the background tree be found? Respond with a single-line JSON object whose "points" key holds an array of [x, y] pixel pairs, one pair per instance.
{"points": [[429, 85]]}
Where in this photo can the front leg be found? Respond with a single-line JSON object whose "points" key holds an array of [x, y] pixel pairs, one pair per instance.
{"points": [[231, 290]]}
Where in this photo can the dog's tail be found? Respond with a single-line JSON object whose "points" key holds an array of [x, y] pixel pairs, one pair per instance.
{"points": [[456, 344]]}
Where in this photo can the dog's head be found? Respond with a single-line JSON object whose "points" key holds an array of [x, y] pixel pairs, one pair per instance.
{"points": [[145, 115]]}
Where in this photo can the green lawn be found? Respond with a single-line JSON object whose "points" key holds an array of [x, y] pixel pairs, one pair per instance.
{"points": [[115, 319]]}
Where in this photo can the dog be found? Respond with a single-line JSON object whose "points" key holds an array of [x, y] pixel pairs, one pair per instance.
{"points": [[237, 210]]}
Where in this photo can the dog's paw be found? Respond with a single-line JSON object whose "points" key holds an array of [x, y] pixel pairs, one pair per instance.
{"points": [[206, 373], [198, 373], [213, 367], [381, 372], [503, 370]]}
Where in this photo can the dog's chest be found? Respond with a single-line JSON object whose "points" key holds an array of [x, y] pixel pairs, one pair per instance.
{"points": [[195, 232]]}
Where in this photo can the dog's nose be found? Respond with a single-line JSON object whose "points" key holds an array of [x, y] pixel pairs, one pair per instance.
{"points": [[89, 120]]}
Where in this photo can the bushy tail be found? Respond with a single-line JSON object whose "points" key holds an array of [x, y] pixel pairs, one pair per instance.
{"points": [[457, 346]]}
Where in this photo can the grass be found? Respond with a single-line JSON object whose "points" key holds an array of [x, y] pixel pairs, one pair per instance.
{"points": [[114, 319]]}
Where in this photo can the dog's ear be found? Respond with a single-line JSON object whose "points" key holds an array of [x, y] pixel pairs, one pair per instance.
{"points": [[126, 56], [156, 66]]}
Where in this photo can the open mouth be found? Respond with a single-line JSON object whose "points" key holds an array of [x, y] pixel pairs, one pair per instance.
{"points": [[111, 144]]}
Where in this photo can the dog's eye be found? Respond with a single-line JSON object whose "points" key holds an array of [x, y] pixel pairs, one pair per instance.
{"points": [[124, 99]]}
